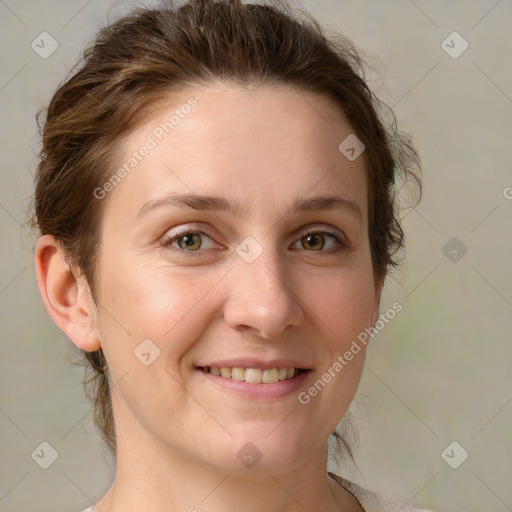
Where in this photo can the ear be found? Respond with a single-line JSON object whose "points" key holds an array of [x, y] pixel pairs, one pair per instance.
{"points": [[66, 299]]}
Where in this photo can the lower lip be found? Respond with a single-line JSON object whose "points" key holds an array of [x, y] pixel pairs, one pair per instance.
{"points": [[262, 391]]}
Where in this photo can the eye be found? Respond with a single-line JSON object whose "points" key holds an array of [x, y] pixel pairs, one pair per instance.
{"points": [[316, 241], [188, 241]]}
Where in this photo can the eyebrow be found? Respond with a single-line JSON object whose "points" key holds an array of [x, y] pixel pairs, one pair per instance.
{"points": [[221, 204]]}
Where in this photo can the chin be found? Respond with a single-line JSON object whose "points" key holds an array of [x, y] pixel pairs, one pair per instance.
{"points": [[274, 453]]}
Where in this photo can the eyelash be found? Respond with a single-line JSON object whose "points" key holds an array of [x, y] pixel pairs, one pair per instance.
{"points": [[168, 241]]}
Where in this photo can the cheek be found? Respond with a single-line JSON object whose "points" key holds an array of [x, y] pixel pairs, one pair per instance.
{"points": [[342, 301], [149, 301], [341, 304]]}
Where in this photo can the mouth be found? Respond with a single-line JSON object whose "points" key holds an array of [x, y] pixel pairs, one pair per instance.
{"points": [[254, 375]]}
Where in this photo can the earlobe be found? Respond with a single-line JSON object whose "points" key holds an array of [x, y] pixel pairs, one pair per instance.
{"points": [[64, 297]]}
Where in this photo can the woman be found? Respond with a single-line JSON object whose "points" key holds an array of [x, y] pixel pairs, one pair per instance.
{"points": [[215, 200]]}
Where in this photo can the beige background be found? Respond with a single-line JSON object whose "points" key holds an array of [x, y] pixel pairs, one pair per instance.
{"points": [[439, 372]]}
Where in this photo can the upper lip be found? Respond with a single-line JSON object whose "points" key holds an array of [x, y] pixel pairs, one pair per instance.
{"points": [[257, 363]]}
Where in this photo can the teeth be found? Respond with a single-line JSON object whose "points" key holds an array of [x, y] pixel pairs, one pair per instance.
{"points": [[225, 372], [254, 375], [283, 373], [237, 374], [271, 375]]}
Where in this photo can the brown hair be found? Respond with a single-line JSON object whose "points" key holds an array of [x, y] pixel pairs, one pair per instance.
{"points": [[151, 52]]}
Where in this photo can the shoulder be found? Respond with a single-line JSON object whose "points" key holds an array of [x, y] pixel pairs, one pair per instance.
{"points": [[371, 501]]}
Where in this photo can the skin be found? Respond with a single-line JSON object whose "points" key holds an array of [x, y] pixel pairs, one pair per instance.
{"points": [[178, 435]]}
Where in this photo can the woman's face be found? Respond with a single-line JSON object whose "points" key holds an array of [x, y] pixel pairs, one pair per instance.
{"points": [[252, 279]]}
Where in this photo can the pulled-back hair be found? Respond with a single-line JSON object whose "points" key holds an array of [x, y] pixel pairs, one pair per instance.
{"points": [[152, 52]]}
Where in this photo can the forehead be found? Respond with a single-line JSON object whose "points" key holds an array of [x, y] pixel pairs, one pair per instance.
{"points": [[267, 142]]}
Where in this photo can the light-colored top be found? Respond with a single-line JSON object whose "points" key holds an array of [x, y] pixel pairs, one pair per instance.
{"points": [[369, 500]]}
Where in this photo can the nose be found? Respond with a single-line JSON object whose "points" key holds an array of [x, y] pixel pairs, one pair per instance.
{"points": [[261, 299]]}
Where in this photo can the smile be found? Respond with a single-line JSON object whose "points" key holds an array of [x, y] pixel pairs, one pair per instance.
{"points": [[256, 383], [254, 375]]}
